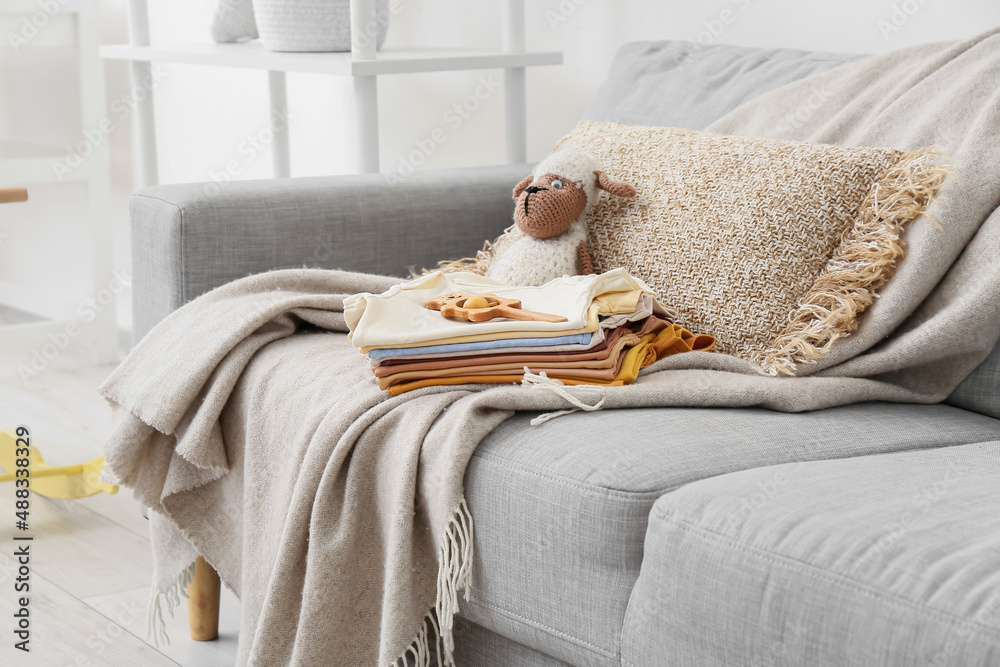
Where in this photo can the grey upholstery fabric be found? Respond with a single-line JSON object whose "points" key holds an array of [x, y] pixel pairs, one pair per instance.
{"points": [[883, 560], [475, 645], [561, 509], [682, 84], [980, 391], [188, 239]]}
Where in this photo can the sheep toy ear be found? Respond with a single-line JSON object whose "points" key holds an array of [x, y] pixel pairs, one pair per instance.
{"points": [[519, 188], [616, 188]]}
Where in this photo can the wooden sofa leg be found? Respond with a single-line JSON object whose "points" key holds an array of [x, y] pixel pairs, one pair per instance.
{"points": [[13, 195], [203, 602]]}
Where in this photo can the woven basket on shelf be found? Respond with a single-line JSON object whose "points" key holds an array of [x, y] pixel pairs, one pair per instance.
{"points": [[313, 25]]}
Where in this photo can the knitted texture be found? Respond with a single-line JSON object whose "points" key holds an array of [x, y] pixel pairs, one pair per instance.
{"points": [[234, 21], [549, 207], [551, 210], [549, 237], [574, 166], [314, 25], [774, 247], [531, 261]]}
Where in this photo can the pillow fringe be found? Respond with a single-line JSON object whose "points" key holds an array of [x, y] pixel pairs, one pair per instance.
{"points": [[864, 262]]}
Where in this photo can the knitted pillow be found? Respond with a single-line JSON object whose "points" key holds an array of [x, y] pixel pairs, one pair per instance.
{"points": [[774, 247]]}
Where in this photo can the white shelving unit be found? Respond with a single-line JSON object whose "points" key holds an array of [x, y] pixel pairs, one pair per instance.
{"points": [[77, 24], [363, 64]]}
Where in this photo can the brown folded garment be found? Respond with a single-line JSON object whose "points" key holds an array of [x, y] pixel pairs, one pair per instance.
{"points": [[462, 359], [490, 353], [607, 373], [597, 359], [672, 339]]}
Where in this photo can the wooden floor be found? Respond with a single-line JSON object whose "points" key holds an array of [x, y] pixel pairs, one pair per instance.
{"points": [[91, 562]]}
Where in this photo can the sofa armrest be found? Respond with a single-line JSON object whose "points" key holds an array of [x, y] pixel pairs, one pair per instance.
{"points": [[188, 239]]}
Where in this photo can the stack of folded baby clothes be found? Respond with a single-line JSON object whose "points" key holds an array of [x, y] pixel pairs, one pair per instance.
{"points": [[595, 329]]}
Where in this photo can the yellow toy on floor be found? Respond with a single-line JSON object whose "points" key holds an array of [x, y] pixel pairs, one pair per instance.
{"points": [[61, 482]]}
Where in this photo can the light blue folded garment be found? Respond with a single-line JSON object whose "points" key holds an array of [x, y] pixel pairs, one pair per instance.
{"points": [[444, 350]]}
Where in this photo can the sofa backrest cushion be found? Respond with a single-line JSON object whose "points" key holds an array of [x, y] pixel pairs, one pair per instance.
{"points": [[682, 84], [687, 85]]}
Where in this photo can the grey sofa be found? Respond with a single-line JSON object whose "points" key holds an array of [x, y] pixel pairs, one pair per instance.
{"points": [[862, 535]]}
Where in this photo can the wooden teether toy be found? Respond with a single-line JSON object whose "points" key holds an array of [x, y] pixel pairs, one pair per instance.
{"points": [[484, 307]]}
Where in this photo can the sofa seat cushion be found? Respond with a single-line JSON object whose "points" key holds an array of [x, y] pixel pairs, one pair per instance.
{"points": [[475, 646], [561, 509], [876, 560]]}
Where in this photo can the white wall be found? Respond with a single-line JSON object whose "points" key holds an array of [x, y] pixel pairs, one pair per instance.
{"points": [[207, 115]]}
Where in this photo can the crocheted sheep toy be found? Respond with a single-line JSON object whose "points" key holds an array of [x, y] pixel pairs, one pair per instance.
{"points": [[552, 205]]}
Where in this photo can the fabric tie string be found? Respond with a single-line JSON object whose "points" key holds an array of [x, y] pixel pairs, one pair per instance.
{"points": [[543, 381]]}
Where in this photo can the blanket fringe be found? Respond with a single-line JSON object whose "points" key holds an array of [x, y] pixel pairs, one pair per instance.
{"points": [[864, 261], [543, 381], [156, 626], [454, 575], [418, 654]]}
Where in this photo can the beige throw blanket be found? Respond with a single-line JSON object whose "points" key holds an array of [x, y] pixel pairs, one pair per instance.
{"points": [[336, 513]]}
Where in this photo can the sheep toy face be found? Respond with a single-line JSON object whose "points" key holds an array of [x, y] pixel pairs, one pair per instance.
{"points": [[547, 205]]}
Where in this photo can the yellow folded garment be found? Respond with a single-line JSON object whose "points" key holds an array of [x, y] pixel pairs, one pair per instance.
{"points": [[631, 364], [618, 303], [672, 340]]}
